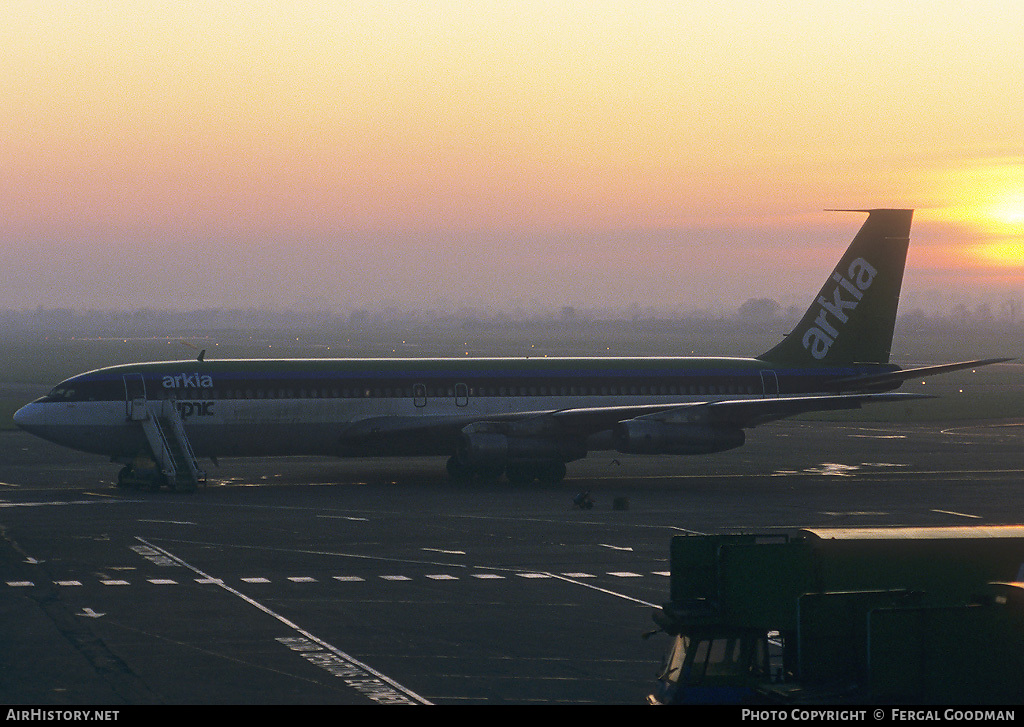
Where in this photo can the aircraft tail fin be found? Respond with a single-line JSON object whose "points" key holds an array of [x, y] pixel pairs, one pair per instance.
{"points": [[853, 316]]}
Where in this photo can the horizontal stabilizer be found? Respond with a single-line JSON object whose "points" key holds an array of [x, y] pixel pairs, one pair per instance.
{"points": [[900, 375]]}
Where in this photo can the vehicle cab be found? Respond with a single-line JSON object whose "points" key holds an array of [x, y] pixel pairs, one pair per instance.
{"points": [[720, 666]]}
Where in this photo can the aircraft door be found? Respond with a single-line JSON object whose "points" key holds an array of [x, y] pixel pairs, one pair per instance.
{"points": [[461, 395], [419, 395], [134, 395], [769, 383]]}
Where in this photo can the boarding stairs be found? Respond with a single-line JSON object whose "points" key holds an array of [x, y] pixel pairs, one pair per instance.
{"points": [[165, 431]]}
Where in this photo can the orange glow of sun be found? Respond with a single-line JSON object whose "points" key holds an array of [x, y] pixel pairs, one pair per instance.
{"points": [[986, 219], [1002, 254], [1004, 223], [1010, 211]]}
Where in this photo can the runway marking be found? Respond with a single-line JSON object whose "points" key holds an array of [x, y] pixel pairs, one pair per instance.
{"points": [[169, 522], [359, 676], [958, 514], [57, 504], [878, 436], [834, 513], [254, 580], [348, 669], [444, 552], [833, 469], [968, 428], [153, 556], [606, 591]]}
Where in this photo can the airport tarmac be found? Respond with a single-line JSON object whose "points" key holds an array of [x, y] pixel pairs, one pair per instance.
{"points": [[318, 581]]}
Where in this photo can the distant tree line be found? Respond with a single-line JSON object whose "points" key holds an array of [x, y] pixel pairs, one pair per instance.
{"points": [[754, 312]]}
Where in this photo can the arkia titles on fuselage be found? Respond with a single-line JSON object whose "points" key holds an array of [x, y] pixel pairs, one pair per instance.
{"points": [[194, 380], [521, 417]]}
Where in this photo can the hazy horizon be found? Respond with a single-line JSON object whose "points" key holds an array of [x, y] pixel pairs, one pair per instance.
{"points": [[935, 305]]}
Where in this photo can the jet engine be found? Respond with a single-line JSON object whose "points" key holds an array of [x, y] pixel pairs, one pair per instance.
{"points": [[640, 436]]}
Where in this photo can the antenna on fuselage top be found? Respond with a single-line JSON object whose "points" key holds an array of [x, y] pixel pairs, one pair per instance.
{"points": [[202, 353]]}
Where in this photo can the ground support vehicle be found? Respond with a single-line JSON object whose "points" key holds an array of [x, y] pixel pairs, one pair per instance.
{"points": [[899, 615]]}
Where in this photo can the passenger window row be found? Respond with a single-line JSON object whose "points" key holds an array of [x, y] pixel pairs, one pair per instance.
{"points": [[449, 391]]}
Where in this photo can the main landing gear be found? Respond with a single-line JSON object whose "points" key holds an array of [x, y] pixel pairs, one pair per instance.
{"points": [[141, 474], [518, 473]]}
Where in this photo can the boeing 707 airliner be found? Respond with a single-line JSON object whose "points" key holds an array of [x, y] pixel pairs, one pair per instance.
{"points": [[523, 418]]}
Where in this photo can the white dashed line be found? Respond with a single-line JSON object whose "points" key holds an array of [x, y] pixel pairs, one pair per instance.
{"points": [[393, 577], [361, 677]]}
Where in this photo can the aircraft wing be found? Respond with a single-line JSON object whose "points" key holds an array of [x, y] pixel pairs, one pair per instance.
{"points": [[741, 413]]}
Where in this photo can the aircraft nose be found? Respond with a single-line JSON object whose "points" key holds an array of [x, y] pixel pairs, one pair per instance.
{"points": [[28, 417]]}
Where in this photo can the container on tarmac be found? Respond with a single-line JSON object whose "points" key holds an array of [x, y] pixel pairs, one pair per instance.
{"points": [[921, 615]]}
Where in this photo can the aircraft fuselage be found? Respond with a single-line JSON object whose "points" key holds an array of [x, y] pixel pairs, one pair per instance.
{"points": [[305, 406]]}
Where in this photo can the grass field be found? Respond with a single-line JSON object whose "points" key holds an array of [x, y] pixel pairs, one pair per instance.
{"points": [[30, 363]]}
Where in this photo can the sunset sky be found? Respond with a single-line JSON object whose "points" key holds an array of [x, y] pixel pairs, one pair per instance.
{"points": [[500, 154]]}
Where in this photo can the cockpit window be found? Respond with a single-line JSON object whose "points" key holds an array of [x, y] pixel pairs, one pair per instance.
{"points": [[82, 389]]}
